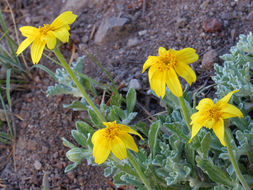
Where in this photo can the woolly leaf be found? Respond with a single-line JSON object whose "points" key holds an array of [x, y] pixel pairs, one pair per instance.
{"points": [[79, 138], [214, 172], [84, 128], [130, 100], [71, 167], [152, 137]]}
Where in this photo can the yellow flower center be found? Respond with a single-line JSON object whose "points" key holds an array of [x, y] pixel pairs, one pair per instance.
{"points": [[111, 131], [44, 30], [214, 112], [168, 59]]}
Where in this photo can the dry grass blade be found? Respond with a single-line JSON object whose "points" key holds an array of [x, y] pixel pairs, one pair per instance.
{"points": [[16, 32]]}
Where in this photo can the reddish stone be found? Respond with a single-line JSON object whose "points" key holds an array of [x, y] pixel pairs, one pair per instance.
{"points": [[211, 25]]}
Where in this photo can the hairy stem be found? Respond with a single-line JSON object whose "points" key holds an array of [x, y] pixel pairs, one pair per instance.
{"points": [[79, 86], [233, 160], [132, 160]]}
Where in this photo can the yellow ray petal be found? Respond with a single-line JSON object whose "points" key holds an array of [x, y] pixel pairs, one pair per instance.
{"points": [[101, 150], [127, 129], [64, 19], [128, 141], [173, 83], [205, 104], [24, 45], [150, 61], [97, 135], [195, 130], [226, 98], [37, 50], [62, 34], [187, 55], [157, 82], [218, 129], [28, 31], [186, 72], [51, 40], [230, 111], [119, 148], [161, 51], [198, 118]]}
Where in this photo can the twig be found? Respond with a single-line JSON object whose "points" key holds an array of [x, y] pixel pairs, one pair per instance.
{"points": [[93, 31], [72, 54], [145, 110], [14, 156], [143, 8]]}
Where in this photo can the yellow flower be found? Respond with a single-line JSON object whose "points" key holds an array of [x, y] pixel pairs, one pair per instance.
{"points": [[212, 115], [165, 68], [46, 35], [113, 138]]}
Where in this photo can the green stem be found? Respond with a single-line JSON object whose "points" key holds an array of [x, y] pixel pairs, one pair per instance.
{"points": [[132, 160], [185, 112], [79, 86], [233, 160]]}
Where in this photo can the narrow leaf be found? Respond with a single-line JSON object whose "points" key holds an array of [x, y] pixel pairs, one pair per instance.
{"points": [[214, 172], [76, 106], [94, 117], [84, 128], [79, 138], [130, 100], [71, 167], [67, 143], [152, 136], [176, 128], [8, 83]]}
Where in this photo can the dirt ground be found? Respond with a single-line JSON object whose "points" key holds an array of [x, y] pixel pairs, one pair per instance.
{"points": [[142, 26]]}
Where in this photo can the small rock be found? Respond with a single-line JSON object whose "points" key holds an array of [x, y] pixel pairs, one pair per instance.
{"points": [[85, 39], [28, 19], [209, 59], [135, 84], [233, 34], [37, 165], [37, 79], [204, 4], [55, 155], [77, 6], [211, 25], [133, 42], [31, 145], [181, 22], [142, 32], [109, 28], [59, 165], [75, 38], [44, 150], [71, 175]]}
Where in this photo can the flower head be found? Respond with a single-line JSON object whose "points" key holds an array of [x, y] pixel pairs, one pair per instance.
{"points": [[165, 68], [113, 138], [212, 115], [46, 35]]}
